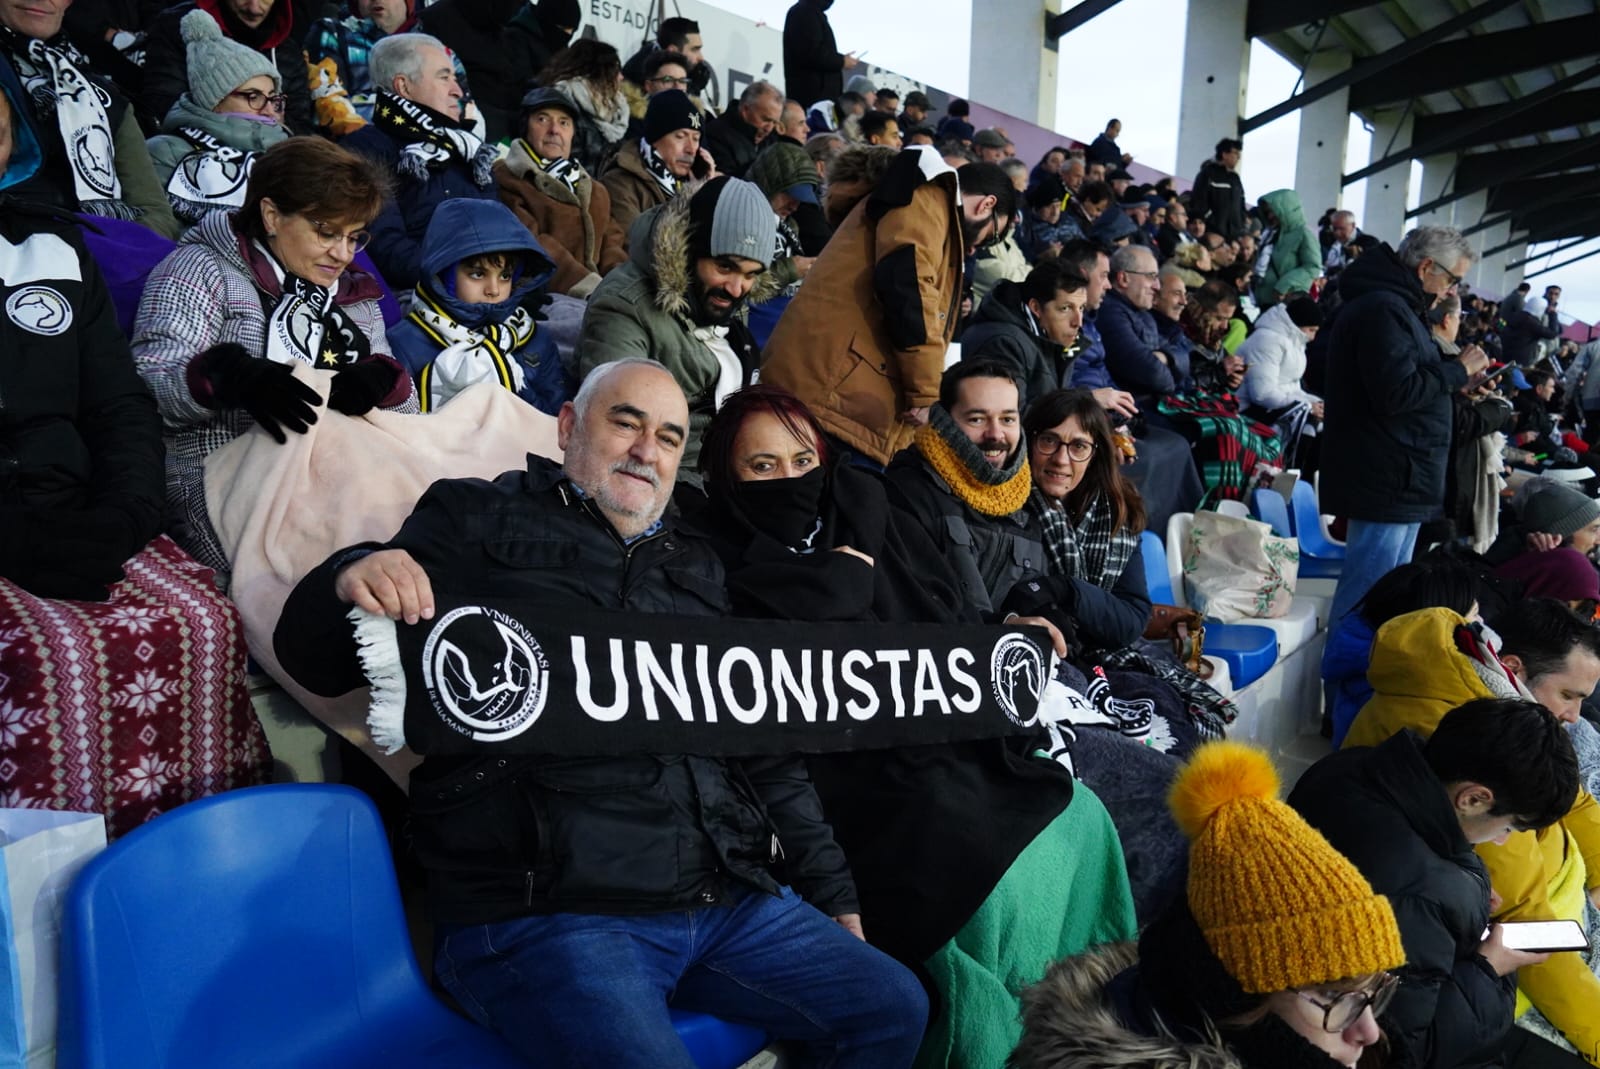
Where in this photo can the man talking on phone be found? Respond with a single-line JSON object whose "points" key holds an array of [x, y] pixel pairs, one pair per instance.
{"points": [[1408, 813]]}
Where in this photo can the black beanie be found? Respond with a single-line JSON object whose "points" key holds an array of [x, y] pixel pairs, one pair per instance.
{"points": [[669, 110], [1304, 312]]}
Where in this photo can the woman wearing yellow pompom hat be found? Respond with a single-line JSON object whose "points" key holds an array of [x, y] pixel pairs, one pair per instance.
{"points": [[1277, 957]]}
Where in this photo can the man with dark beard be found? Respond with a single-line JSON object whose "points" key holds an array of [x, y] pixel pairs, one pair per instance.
{"points": [[693, 264], [966, 481], [863, 342]]}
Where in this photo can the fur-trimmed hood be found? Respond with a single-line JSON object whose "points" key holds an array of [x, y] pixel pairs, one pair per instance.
{"points": [[1068, 1021], [658, 244]]}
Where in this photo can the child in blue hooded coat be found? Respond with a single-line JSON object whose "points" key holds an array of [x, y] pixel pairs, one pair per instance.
{"points": [[469, 320]]}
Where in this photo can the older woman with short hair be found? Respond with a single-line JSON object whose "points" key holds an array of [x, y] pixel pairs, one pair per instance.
{"points": [[249, 295]]}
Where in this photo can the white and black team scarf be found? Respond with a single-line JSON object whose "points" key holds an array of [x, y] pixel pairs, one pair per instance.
{"points": [[212, 178], [658, 169], [54, 75], [306, 325], [468, 355], [432, 141], [569, 171]]}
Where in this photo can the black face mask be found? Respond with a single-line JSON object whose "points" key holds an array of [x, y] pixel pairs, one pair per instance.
{"points": [[787, 510]]}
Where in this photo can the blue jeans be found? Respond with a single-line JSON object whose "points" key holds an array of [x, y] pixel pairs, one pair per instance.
{"points": [[581, 990], [1372, 550]]}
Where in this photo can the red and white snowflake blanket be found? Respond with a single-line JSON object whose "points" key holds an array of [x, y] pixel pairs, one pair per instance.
{"points": [[127, 707]]}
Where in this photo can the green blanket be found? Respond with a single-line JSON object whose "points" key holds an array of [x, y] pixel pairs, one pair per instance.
{"points": [[1066, 892]]}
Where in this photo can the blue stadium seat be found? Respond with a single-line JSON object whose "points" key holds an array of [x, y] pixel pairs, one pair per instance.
{"points": [[1273, 510], [1315, 544], [1248, 650], [263, 928]]}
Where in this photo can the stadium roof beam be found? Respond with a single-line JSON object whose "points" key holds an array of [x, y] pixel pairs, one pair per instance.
{"points": [[1369, 69], [1446, 65]]}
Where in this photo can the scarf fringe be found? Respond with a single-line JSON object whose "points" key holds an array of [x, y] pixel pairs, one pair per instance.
{"points": [[378, 647]]}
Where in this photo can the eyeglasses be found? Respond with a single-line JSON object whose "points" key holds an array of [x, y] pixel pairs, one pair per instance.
{"points": [[257, 101], [1143, 274], [1455, 279], [670, 83], [328, 237], [1049, 443], [1347, 1008]]}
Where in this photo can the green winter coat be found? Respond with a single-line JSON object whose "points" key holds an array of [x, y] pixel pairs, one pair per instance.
{"points": [[1296, 256], [168, 148], [642, 309]]}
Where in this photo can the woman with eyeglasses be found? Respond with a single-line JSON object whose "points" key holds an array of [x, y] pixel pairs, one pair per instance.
{"points": [[973, 862], [251, 294], [1091, 517], [231, 113], [1277, 957]]}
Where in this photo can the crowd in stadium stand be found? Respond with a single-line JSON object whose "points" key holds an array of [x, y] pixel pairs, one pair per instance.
{"points": [[832, 356]]}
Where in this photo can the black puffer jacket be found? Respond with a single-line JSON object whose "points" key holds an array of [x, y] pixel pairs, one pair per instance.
{"points": [[78, 429], [1218, 198], [504, 837], [999, 330], [1384, 809], [1386, 440]]}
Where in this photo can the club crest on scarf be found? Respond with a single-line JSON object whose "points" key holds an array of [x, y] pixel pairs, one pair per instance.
{"points": [[212, 177], [485, 674], [1018, 668]]}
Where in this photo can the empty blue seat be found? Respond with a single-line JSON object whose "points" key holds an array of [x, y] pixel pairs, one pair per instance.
{"points": [[1249, 650], [1273, 510], [1316, 547], [263, 928]]}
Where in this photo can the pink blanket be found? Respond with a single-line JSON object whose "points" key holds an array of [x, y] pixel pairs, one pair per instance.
{"points": [[281, 510]]}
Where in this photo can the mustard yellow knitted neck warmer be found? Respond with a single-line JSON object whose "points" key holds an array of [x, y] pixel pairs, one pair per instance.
{"points": [[983, 489]]}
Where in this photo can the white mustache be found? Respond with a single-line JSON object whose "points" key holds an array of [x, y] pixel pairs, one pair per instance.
{"points": [[642, 471]]}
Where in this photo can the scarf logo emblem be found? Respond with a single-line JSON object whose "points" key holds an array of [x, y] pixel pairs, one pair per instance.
{"points": [[92, 153], [1017, 669], [485, 674], [40, 310]]}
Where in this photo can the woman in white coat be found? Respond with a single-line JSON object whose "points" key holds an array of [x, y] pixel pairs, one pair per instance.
{"points": [[1275, 356]]}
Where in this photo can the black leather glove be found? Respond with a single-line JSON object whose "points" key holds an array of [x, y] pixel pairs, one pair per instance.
{"points": [[228, 376], [358, 387]]}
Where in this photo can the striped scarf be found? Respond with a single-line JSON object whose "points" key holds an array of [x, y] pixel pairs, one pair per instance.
{"points": [[468, 355]]}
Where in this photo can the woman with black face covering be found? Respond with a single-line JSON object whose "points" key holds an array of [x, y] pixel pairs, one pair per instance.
{"points": [[946, 842]]}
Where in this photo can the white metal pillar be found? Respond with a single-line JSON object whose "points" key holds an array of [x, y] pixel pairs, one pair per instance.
{"points": [[1216, 66], [1436, 173], [1023, 82], [1511, 278], [1324, 130], [1385, 213]]}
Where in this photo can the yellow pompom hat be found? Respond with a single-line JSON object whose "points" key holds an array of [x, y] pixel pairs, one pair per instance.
{"points": [[1279, 906]]}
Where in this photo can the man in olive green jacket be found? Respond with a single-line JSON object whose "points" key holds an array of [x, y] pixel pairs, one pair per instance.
{"points": [[693, 264]]}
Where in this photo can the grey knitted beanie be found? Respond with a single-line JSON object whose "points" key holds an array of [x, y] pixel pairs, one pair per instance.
{"points": [[217, 65]]}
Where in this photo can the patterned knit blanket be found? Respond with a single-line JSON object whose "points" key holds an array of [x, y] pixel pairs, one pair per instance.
{"points": [[127, 707]]}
